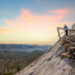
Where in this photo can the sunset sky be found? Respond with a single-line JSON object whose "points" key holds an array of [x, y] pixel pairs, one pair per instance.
{"points": [[34, 21]]}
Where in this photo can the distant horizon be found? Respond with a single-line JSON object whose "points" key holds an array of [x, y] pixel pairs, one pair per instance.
{"points": [[24, 44], [24, 47]]}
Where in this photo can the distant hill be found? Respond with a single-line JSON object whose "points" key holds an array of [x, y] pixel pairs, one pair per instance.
{"points": [[24, 47], [14, 61]]}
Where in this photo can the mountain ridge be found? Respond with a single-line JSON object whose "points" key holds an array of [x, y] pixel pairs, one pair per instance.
{"points": [[23, 47]]}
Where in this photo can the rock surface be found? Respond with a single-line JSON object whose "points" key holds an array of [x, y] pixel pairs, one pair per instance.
{"points": [[50, 64], [73, 26]]}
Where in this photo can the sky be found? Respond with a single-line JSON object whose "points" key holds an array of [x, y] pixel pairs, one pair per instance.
{"points": [[34, 21]]}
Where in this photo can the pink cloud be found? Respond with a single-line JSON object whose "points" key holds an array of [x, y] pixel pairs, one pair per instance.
{"points": [[26, 18], [8, 22], [3, 30], [27, 15], [59, 11]]}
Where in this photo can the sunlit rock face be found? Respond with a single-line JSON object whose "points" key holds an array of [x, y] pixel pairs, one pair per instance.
{"points": [[73, 26], [50, 64]]}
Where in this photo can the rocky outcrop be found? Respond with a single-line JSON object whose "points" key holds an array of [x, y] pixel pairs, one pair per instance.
{"points": [[50, 64], [73, 26]]}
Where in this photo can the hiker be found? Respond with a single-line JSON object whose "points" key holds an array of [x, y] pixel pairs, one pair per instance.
{"points": [[66, 30]]}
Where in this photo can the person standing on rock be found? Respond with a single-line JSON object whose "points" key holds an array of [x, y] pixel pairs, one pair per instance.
{"points": [[66, 30]]}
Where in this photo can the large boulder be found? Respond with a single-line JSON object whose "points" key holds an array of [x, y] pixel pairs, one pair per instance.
{"points": [[73, 26]]}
